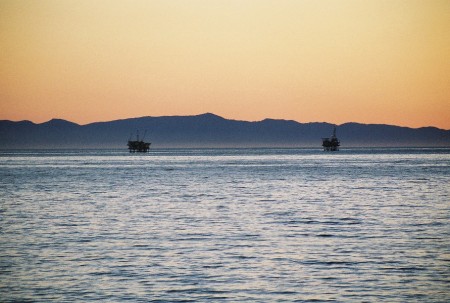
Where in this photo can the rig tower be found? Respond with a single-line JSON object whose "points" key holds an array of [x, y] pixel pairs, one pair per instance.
{"points": [[138, 145], [331, 144]]}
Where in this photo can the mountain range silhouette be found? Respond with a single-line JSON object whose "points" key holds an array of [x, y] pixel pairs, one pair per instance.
{"points": [[209, 130]]}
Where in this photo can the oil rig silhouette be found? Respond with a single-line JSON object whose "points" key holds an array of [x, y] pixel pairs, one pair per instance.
{"points": [[138, 145], [331, 144]]}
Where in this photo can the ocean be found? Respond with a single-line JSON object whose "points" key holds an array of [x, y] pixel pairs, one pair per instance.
{"points": [[225, 225]]}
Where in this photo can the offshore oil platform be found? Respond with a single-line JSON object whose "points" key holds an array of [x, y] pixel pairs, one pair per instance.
{"points": [[331, 144], [138, 146]]}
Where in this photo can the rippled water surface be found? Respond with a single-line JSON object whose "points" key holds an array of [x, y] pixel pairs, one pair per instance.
{"points": [[231, 225]]}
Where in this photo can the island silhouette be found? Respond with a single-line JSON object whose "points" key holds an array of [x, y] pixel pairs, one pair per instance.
{"points": [[210, 130]]}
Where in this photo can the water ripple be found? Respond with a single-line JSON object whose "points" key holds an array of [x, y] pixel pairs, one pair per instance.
{"points": [[225, 225]]}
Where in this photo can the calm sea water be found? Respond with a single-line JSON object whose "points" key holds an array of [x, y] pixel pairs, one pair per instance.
{"points": [[225, 225]]}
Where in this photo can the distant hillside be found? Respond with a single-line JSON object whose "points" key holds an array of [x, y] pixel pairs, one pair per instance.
{"points": [[209, 130]]}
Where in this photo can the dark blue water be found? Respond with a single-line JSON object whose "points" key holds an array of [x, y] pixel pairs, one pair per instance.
{"points": [[225, 225]]}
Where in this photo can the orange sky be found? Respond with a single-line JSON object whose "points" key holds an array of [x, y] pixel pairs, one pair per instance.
{"points": [[380, 61]]}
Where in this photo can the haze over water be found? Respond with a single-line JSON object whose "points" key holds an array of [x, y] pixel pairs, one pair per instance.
{"points": [[230, 225]]}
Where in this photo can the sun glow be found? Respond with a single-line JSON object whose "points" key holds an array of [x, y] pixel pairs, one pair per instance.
{"points": [[334, 61]]}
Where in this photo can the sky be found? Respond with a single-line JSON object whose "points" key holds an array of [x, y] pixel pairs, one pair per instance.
{"points": [[337, 61]]}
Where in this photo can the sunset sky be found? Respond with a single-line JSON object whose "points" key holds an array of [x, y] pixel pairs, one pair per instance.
{"points": [[306, 60]]}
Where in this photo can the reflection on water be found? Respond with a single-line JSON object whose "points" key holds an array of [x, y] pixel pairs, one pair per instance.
{"points": [[244, 225]]}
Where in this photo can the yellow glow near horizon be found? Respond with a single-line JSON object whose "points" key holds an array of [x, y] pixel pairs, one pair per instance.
{"points": [[335, 61]]}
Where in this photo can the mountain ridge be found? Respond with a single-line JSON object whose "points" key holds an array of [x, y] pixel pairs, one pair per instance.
{"points": [[210, 130]]}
